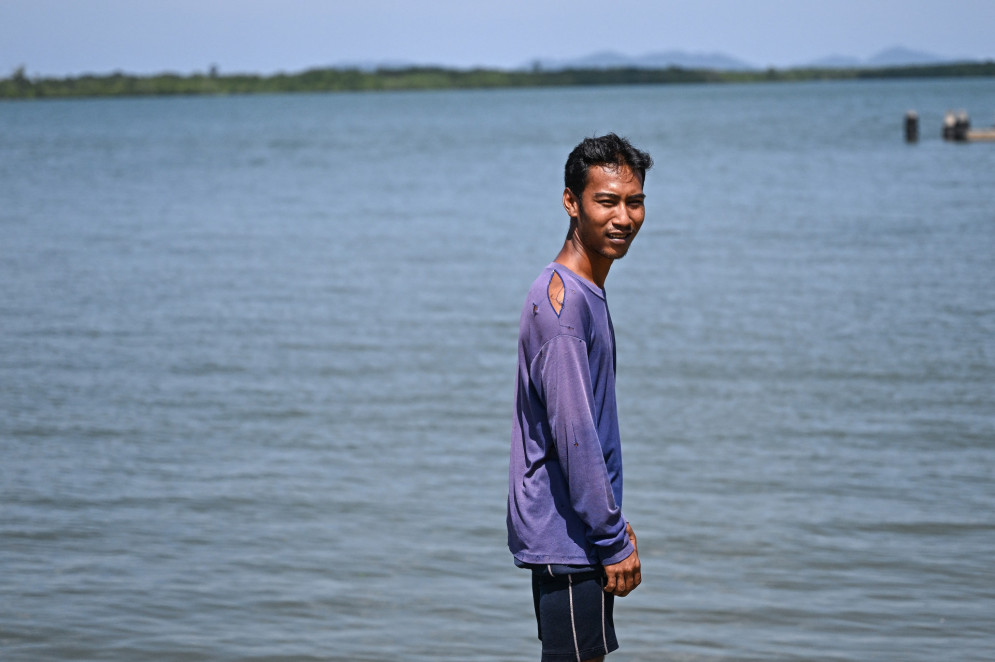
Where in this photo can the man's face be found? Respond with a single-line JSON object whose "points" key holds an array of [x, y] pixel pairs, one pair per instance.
{"points": [[610, 211]]}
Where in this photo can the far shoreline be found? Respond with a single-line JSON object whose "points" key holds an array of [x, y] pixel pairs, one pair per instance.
{"points": [[119, 84]]}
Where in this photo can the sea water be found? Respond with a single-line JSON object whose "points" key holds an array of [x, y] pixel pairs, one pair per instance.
{"points": [[257, 367]]}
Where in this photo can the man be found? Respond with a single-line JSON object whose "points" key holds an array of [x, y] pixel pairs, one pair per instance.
{"points": [[565, 521]]}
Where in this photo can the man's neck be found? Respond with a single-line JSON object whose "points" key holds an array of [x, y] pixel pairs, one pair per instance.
{"points": [[592, 267]]}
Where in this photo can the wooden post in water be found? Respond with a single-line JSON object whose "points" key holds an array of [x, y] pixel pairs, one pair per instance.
{"points": [[911, 126], [962, 126], [948, 125], [956, 125]]}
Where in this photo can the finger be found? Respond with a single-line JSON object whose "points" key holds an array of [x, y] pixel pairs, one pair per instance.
{"points": [[622, 587], [627, 584]]}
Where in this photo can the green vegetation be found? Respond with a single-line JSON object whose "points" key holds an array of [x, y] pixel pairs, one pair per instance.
{"points": [[20, 86]]}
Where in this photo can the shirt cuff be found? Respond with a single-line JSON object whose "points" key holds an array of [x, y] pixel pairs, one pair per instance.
{"points": [[616, 555]]}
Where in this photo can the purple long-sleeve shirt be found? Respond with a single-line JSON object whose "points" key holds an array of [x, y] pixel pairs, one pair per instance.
{"points": [[565, 478]]}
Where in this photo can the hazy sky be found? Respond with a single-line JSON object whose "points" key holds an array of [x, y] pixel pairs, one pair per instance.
{"points": [[61, 37]]}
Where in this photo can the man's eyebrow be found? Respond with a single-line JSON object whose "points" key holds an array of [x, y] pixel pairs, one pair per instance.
{"points": [[612, 194], [616, 196]]}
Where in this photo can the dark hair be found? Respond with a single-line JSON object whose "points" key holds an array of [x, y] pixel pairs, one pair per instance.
{"points": [[608, 150]]}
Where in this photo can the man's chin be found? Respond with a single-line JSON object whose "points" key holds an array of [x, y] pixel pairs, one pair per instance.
{"points": [[617, 254]]}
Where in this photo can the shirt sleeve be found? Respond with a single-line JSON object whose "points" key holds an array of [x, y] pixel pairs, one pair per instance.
{"points": [[563, 372]]}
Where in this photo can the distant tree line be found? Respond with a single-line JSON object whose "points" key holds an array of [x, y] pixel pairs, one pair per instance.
{"points": [[20, 86]]}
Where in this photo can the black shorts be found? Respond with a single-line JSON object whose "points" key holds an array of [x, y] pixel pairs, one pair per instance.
{"points": [[574, 614]]}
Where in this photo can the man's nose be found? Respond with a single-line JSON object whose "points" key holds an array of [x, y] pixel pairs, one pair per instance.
{"points": [[622, 218]]}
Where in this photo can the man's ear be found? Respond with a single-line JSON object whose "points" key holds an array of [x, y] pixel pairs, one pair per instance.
{"points": [[571, 203]]}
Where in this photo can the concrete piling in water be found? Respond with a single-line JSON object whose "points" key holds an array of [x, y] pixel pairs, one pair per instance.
{"points": [[911, 126], [956, 125], [948, 125], [962, 126]]}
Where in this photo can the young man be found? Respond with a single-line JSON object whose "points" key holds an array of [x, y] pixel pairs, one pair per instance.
{"points": [[565, 521]]}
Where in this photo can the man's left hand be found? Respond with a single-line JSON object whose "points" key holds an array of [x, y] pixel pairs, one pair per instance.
{"points": [[623, 577]]}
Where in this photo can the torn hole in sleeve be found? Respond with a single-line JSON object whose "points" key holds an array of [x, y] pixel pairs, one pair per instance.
{"points": [[556, 293]]}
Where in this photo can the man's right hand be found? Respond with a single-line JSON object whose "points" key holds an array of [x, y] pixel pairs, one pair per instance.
{"points": [[623, 577]]}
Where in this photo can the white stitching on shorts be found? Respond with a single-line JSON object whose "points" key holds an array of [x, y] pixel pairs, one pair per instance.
{"points": [[573, 625], [604, 634]]}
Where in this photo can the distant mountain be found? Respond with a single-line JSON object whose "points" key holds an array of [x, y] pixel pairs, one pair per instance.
{"points": [[898, 56], [836, 62], [716, 61], [661, 60]]}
